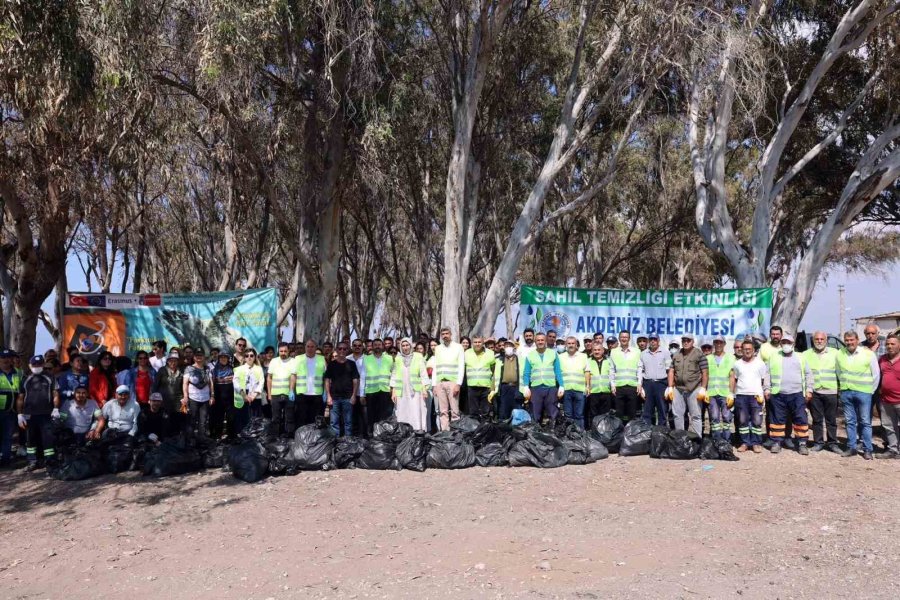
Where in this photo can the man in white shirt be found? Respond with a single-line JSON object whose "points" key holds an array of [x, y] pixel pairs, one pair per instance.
{"points": [[360, 417], [447, 377], [527, 346], [749, 383], [158, 359]]}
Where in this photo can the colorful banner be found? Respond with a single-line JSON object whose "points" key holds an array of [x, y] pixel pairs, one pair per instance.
{"points": [[126, 323], [668, 313]]}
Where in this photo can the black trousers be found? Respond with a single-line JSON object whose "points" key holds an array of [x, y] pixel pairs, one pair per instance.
{"points": [[379, 407], [199, 417], [597, 404], [307, 408], [478, 402], [824, 417], [39, 434], [627, 402], [219, 410], [282, 415]]}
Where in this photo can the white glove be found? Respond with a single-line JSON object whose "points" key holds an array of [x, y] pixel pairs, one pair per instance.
{"points": [[23, 421], [670, 394], [526, 391], [153, 437], [54, 414], [701, 394]]}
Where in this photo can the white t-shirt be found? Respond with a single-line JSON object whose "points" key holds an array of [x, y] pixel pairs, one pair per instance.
{"points": [[157, 363], [194, 393], [752, 377]]}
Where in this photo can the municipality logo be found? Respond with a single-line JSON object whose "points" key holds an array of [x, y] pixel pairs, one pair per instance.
{"points": [[557, 321]]}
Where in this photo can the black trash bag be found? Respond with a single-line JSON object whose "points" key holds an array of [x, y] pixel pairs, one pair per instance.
{"points": [[215, 457], [313, 447], [520, 432], [466, 424], [494, 454], [539, 450], [169, 458], [584, 449], [379, 456], [413, 452], [140, 455], [63, 437], [82, 463], [450, 451], [717, 449], [258, 428], [609, 430], [248, 461], [392, 431], [118, 457], [346, 450], [563, 427], [674, 444], [636, 438], [491, 433]]}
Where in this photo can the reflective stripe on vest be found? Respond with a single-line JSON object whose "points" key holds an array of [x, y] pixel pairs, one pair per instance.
{"points": [[599, 377], [573, 368], [241, 374], [542, 372], [9, 389], [280, 371], [415, 372], [478, 368], [824, 368], [719, 375], [776, 363], [856, 371], [626, 366], [446, 362], [318, 376], [378, 377]]}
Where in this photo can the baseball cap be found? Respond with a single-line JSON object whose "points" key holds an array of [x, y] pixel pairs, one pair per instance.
{"points": [[642, 337], [7, 354], [786, 336], [611, 340], [706, 345], [173, 356], [36, 360], [652, 336], [719, 338], [123, 389], [156, 397], [687, 336]]}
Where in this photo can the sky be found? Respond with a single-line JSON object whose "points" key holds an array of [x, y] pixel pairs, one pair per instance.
{"points": [[865, 295]]}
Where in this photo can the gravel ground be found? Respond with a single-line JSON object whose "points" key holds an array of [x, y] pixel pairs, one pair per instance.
{"points": [[768, 526]]}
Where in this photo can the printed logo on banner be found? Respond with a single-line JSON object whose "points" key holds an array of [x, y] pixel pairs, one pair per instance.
{"points": [[557, 321], [88, 301], [151, 300]]}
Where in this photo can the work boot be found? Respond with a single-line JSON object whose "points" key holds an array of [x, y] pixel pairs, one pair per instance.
{"points": [[867, 455], [775, 449], [833, 447], [849, 452], [742, 448], [32, 466], [788, 443], [757, 449], [817, 447], [803, 450]]}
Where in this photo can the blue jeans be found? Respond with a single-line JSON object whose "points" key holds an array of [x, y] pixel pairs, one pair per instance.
{"points": [[509, 400], [341, 412], [655, 403], [858, 411], [573, 405], [8, 424]]}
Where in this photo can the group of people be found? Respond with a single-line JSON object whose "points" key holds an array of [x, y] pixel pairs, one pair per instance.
{"points": [[763, 388]]}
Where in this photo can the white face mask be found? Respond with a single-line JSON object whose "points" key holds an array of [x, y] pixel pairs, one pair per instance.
{"points": [[37, 370], [787, 348], [508, 350], [560, 349], [673, 351]]}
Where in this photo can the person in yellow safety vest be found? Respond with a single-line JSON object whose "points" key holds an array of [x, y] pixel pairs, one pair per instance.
{"points": [[447, 377], [792, 383], [600, 398], [769, 349], [280, 383], [576, 378], [479, 367], [409, 384], [10, 384], [543, 380], [309, 385], [858, 377], [508, 373], [375, 384], [249, 387], [718, 393], [623, 377], [823, 401]]}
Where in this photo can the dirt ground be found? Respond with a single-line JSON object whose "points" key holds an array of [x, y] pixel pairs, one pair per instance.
{"points": [[769, 526]]}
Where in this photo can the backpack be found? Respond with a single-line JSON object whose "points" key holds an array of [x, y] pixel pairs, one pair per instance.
{"points": [[199, 378]]}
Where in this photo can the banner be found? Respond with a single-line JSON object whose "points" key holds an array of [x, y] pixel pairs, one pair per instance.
{"points": [[126, 323], [667, 313]]}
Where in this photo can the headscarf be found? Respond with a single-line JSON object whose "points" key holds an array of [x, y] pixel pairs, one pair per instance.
{"points": [[406, 356]]}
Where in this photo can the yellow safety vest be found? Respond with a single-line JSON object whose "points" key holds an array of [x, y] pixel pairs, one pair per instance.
{"points": [[446, 362], [854, 371], [241, 374], [824, 367], [478, 368], [415, 372], [319, 375], [776, 361], [542, 372], [573, 368], [626, 366], [719, 375], [599, 376], [280, 371], [378, 377], [9, 389]]}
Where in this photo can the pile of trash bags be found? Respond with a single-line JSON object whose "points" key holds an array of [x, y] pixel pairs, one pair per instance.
{"points": [[393, 446]]}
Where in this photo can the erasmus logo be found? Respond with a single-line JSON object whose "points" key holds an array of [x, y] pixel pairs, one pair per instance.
{"points": [[557, 321]]}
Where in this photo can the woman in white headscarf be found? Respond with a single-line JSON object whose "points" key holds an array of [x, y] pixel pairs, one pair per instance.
{"points": [[409, 383]]}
